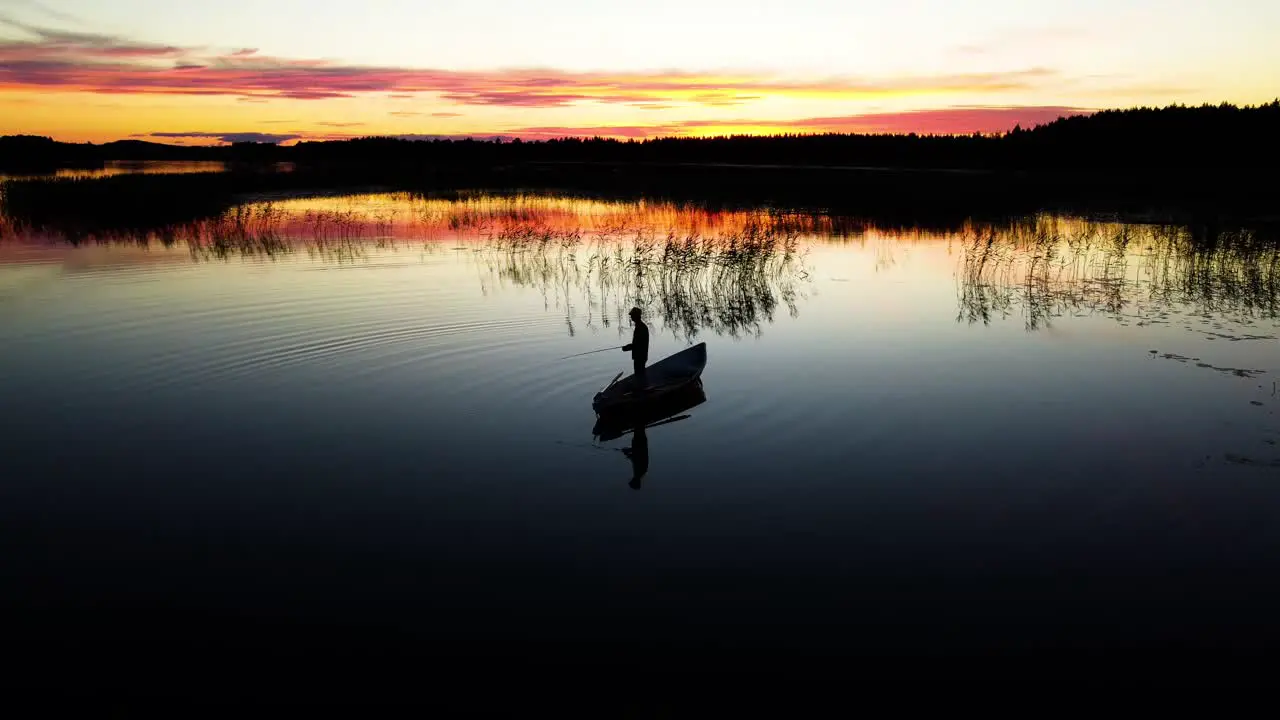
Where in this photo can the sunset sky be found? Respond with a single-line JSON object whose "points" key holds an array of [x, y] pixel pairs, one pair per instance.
{"points": [[282, 70]]}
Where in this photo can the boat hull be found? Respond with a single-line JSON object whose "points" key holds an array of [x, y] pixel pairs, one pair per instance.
{"points": [[665, 378]]}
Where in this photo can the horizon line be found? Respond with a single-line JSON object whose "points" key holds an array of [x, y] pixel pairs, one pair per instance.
{"points": [[621, 134]]}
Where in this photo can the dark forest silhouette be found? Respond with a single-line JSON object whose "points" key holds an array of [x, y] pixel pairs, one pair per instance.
{"points": [[1175, 136]]}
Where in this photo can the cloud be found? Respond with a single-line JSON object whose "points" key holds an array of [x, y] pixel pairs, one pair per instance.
{"points": [[88, 62], [444, 114], [944, 121], [44, 10], [341, 124], [232, 137], [721, 99], [49, 45], [406, 113], [1015, 39]]}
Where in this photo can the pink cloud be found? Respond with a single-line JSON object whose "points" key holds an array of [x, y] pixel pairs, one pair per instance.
{"points": [[944, 121], [107, 64], [308, 80]]}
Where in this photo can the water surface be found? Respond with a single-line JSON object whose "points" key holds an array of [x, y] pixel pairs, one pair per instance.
{"points": [[111, 168], [349, 413]]}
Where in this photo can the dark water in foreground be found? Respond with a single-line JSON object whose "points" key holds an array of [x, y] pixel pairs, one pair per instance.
{"points": [[346, 426]]}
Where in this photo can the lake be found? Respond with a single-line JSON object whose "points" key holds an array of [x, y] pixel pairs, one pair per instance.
{"points": [[112, 168], [344, 421]]}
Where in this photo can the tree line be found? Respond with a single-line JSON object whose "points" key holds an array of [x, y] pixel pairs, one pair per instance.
{"points": [[1222, 136]]}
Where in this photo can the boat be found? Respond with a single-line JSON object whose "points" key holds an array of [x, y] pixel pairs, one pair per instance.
{"points": [[665, 377], [659, 412]]}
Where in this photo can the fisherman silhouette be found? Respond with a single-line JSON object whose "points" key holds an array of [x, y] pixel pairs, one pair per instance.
{"points": [[639, 349], [638, 454]]}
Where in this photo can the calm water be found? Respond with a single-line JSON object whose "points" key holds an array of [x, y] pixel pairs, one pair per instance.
{"points": [[130, 167], [348, 417]]}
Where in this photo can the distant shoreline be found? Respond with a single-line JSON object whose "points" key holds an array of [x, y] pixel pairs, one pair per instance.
{"points": [[1175, 136], [907, 196]]}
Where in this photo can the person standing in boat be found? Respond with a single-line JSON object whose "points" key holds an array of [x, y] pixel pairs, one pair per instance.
{"points": [[639, 348]]}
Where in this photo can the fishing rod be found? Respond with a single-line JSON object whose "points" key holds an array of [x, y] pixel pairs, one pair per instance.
{"points": [[592, 352]]}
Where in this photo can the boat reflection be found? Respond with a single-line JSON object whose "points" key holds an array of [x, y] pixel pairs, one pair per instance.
{"points": [[613, 425], [637, 419]]}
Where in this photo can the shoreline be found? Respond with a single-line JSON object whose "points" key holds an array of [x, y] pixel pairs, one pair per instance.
{"points": [[939, 196]]}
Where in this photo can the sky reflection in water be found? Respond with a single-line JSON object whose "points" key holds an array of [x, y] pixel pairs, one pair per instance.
{"points": [[365, 390]]}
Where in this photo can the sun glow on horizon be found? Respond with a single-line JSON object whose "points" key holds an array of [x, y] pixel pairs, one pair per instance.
{"points": [[81, 71]]}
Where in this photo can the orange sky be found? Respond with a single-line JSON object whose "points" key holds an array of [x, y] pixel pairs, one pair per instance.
{"points": [[79, 70]]}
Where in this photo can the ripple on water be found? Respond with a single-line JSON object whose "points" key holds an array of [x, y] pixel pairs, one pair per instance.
{"points": [[353, 352], [549, 384], [339, 345], [140, 334], [753, 420], [775, 423]]}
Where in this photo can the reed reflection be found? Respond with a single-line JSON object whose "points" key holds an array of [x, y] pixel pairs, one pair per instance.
{"points": [[694, 269], [731, 284]]}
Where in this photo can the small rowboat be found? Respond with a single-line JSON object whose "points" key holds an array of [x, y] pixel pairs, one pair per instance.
{"points": [[665, 377]]}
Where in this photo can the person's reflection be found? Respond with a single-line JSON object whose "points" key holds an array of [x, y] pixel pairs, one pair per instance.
{"points": [[638, 454]]}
